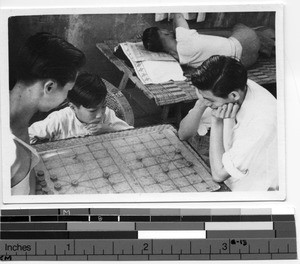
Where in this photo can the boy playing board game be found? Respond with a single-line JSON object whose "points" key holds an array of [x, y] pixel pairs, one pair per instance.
{"points": [[87, 114], [242, 117]]}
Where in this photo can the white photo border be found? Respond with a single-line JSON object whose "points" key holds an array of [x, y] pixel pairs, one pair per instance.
{"points": [[141, 197]]}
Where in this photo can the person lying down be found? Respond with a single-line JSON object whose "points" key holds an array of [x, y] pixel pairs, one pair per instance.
{"points": [[87, 114], [192, 49]]}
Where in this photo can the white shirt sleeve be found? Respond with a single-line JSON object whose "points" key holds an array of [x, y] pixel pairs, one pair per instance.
{"points": [[186, 42], [246, 147], [45, 129], [183, 34], [114, 121]]}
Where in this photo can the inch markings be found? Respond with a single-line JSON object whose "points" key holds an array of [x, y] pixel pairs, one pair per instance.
{"points": [[147, 234], [151, 248]]}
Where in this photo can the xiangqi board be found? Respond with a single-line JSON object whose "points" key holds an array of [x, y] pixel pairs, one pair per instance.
{"points": [[144, 160]]}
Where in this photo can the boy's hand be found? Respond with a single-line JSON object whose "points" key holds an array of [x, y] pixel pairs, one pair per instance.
{"points": [[201, 102], [97, 129], [226, 111]]}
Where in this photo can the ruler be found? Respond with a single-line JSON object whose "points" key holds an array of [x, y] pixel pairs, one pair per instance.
{"points": [[147, 234]]}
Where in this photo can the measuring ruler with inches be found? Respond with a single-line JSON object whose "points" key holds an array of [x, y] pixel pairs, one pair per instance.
{"points": [[148, 234]]}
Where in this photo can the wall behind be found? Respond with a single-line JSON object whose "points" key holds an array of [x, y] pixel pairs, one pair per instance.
{"points": [[84, 31]]}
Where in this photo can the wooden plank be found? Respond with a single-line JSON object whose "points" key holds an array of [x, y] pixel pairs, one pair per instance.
{"points": [[107, 52]]}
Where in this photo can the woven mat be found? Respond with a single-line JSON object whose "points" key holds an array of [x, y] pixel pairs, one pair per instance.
{"points": [[171, 92], [263, 71]]}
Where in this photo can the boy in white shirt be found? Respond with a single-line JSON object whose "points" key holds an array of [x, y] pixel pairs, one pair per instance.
{"points": [[87, 114], [243, 125]]}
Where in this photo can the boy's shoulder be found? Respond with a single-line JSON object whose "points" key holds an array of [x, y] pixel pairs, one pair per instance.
{"points": [[62, 114], [260, 106], [262, 95], [109, 113], [182, 32]]}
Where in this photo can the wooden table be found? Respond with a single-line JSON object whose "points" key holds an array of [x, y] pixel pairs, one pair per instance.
{"points": [[172, 94], [167, 95], [143, 160]]}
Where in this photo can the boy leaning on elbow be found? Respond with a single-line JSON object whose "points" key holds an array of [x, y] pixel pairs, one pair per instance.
{"points": [[241, 116]]}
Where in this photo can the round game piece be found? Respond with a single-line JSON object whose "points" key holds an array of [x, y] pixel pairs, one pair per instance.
{"points": [[41, 178], [106, 175], [46, 190], [57, 186], [189, 163], [74, 183], [40, 173], [53, 178], [178, 151], [139, 158], [38, 187], [43, 183], [165, 169]]}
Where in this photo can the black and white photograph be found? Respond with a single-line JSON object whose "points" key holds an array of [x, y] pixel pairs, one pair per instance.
{"points": [[159, 104]]}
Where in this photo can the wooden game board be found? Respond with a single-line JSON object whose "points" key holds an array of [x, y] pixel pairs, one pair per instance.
{"points": [[144, 160]]}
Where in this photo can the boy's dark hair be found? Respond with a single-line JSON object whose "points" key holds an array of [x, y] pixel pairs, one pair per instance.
{"points": [[221, 75], [151, 40], [47, 56], [89, 91]]}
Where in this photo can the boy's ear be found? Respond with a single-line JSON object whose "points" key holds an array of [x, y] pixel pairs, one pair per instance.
{"points": [[50, 86], [72, 106], [234, 95]]}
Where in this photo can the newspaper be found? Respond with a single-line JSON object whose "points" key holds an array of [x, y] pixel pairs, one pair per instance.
{"points": [[139, 53], [152, 67]]}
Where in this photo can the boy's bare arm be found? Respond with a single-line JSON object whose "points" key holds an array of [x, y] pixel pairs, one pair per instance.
{"points": [[216, 146], [179, 21], [189, 124], [216, 151]]}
